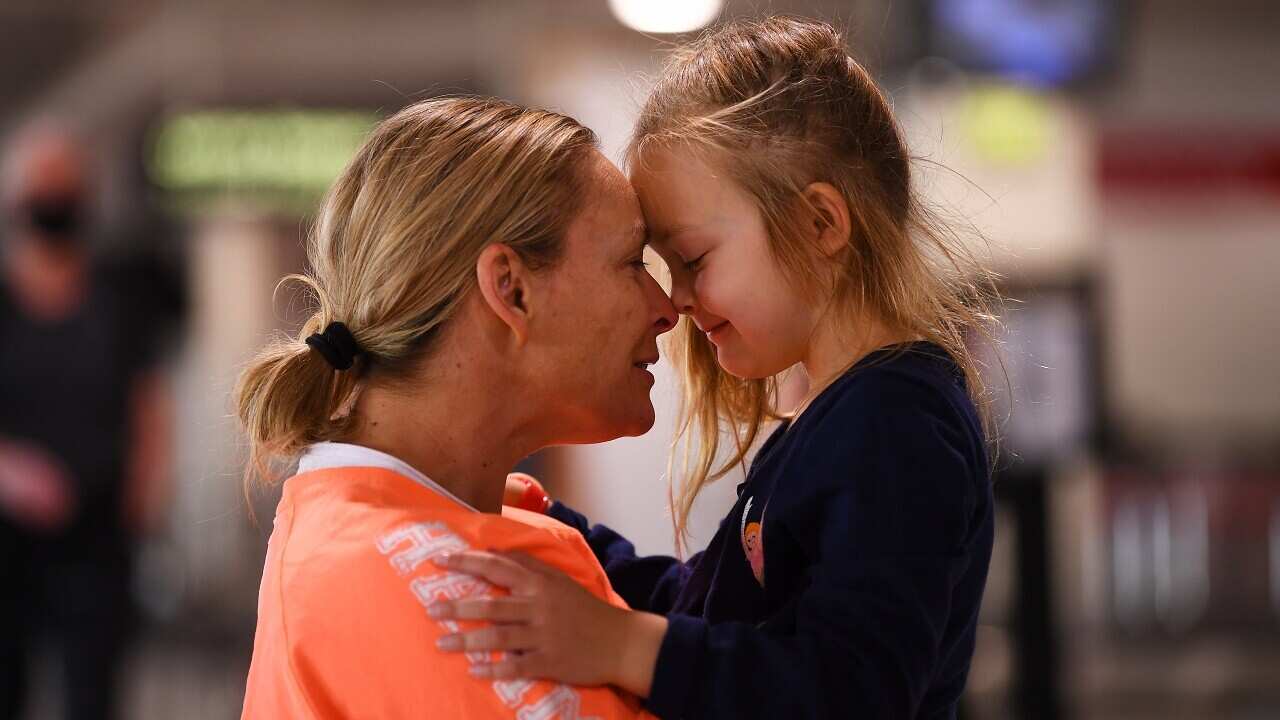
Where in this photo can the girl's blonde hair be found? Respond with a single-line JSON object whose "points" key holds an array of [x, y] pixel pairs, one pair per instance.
{"points": [[778, 104], [393, 253]]}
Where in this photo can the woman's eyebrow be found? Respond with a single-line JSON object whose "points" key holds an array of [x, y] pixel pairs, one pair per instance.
{"points": [[639, 236]]}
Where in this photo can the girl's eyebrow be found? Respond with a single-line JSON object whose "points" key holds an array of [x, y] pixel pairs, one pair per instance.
{"points": [[673, 232]]}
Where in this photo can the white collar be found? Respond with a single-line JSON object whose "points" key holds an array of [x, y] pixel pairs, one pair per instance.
{"points": [[325, 455]]}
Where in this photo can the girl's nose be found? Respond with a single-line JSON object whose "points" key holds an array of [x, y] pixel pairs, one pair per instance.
{"points": [[681, 296]]}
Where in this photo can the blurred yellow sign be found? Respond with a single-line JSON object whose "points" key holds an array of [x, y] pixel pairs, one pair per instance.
{"points": [[1006, 124]]}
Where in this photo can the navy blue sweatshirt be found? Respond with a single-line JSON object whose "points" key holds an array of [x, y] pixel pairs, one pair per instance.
{"points": [[846, 580]]}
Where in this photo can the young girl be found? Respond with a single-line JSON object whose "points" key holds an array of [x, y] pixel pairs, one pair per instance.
{"points": [[847, 578]]}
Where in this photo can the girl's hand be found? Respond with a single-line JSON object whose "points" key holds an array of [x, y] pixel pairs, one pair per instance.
{"points": [[525, 492], [550, 627]]}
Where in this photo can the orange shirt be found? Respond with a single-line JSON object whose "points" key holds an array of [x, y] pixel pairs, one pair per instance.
{"points": [[343, 630]]}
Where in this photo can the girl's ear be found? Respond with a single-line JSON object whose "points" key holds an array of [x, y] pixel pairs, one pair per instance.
{"points": [[829, 224], [503, 279]]}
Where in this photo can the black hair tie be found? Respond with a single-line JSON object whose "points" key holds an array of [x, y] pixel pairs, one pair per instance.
{"points": [[336, 344]]}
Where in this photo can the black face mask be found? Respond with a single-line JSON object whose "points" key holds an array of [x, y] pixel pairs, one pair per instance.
{"points": [[56, 219]]}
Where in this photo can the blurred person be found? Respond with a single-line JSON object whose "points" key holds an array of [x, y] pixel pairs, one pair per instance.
{"points": [[480, 293], [84, 431], [846, 579]]}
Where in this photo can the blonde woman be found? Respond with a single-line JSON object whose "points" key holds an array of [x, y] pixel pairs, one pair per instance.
{"points": [[479, 294]]}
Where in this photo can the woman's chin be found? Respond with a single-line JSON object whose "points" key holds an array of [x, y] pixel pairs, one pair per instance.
{"points": [[630, 422], [641, 420], [636, 419]]}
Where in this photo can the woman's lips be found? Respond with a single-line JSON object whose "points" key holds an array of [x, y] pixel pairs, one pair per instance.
{"points": [[643, 366], [644, 369]]}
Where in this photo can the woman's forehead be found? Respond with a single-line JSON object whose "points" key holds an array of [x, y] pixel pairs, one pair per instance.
{"points": [[610, 210]]}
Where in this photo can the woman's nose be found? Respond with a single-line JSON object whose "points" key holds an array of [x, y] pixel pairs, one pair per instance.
{"points": [[663, 310]]}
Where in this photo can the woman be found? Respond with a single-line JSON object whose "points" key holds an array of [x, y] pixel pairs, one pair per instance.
{"points": [[479, 294]]}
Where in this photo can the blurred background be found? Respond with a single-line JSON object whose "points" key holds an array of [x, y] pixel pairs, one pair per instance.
{"points": [[1123, 159]]}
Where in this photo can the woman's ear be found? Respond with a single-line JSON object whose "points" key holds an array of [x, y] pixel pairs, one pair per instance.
{"points": [[830, 226], [503, 281]]}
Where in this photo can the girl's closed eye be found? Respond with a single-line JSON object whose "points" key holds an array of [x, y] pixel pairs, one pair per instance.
{"points": [[695, 263]]}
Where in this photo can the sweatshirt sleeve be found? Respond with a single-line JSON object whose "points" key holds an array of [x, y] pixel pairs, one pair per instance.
{"points": [[887, 517], [649, 583]]}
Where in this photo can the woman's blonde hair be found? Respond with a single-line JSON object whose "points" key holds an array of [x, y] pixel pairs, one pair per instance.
{"points": [[393, 253], [778, 104]]}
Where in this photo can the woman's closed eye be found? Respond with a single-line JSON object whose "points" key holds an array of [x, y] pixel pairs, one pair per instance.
{"points": [[694, 264]]}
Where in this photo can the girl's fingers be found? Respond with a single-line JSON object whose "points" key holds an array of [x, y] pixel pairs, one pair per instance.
{"points": [[497, 609], [494, 637], [524, 479], [494, 568]]}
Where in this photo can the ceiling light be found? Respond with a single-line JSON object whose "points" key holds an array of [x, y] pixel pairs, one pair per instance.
{"points": [[666, 16]]}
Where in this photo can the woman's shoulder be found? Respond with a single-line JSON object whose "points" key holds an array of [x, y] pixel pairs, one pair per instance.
{"points": [[348, 609], [553, 543]]}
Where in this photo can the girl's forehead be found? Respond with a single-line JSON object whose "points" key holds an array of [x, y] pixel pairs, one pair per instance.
{"points": [[678, 162], [677, 211], [676, 234]]}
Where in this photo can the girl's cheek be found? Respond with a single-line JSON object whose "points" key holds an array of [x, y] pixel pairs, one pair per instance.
{"points": [[705, 289], [722, 294], [704, 295]]}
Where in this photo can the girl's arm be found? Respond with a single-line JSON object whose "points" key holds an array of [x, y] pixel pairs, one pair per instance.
{"points": [[865, 639], [649, 583], [899, 527]]}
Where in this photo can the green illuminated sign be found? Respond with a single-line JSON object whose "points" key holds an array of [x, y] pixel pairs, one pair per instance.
{"points": [[289, 151]]}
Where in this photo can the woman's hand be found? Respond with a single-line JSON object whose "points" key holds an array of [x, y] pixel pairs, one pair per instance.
{"points": [[550, 627]]}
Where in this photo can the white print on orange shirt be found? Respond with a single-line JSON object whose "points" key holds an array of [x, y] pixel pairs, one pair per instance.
{"points": [[419, 542]]}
